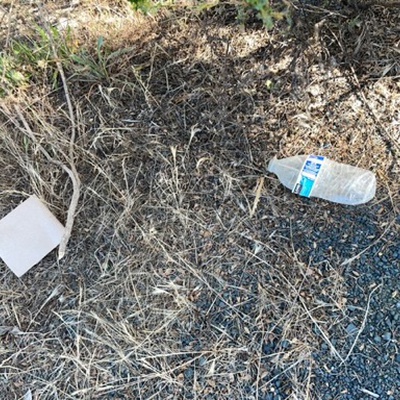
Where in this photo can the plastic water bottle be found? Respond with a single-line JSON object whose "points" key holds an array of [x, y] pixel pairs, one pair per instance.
{"points": [[317, 176]]}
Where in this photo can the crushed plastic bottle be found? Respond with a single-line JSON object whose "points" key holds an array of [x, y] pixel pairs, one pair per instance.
{"points": [[317, 176]]}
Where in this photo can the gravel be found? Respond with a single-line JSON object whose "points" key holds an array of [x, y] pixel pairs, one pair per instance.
{"points": [[366, 333], [370, 329]]}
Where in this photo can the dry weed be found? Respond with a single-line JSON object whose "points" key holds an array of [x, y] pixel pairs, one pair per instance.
{"points": [[185, 277]]}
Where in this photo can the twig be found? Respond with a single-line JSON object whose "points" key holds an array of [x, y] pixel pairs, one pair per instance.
{"points": [[74, 178], [260, 186], [76, 183], [281, 373], [334, 351], [362, 327], [350, 260], [369, 393], [388, 4], [393, 141]]}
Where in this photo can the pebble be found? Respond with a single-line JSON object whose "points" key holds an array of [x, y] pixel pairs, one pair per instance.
{"points": [[387, 336], [351, 329], [202, 361], [189, 373], [268, 348]]}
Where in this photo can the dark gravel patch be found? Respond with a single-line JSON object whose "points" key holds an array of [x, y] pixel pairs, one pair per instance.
{"points": [[371, 317]]}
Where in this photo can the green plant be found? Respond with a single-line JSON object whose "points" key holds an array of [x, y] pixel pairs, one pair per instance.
{"points": [[266, 12], [146, 6], [38, 52], [11, 76], [93, 66], [33, 58]]}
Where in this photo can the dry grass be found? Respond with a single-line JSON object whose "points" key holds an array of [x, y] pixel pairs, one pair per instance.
{"points": [[183, 277]]}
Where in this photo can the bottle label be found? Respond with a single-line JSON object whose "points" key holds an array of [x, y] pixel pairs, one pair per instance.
{"points": [[308, 175]]}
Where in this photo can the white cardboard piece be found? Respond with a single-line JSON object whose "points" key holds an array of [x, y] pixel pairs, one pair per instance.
{"points": [[28, 234]]}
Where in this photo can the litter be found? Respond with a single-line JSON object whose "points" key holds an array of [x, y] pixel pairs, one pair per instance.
{"points": [[317, 176], [28, 395], [28, 234]]}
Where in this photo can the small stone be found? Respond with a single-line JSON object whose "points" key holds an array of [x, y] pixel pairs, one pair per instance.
{"points": [[377, 339], [202, 361], [268, 348], [189, 373], [387, 336], [351, 329]]}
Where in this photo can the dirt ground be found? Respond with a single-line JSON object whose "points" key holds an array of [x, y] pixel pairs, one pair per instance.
{"points": [[191, 272]]}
